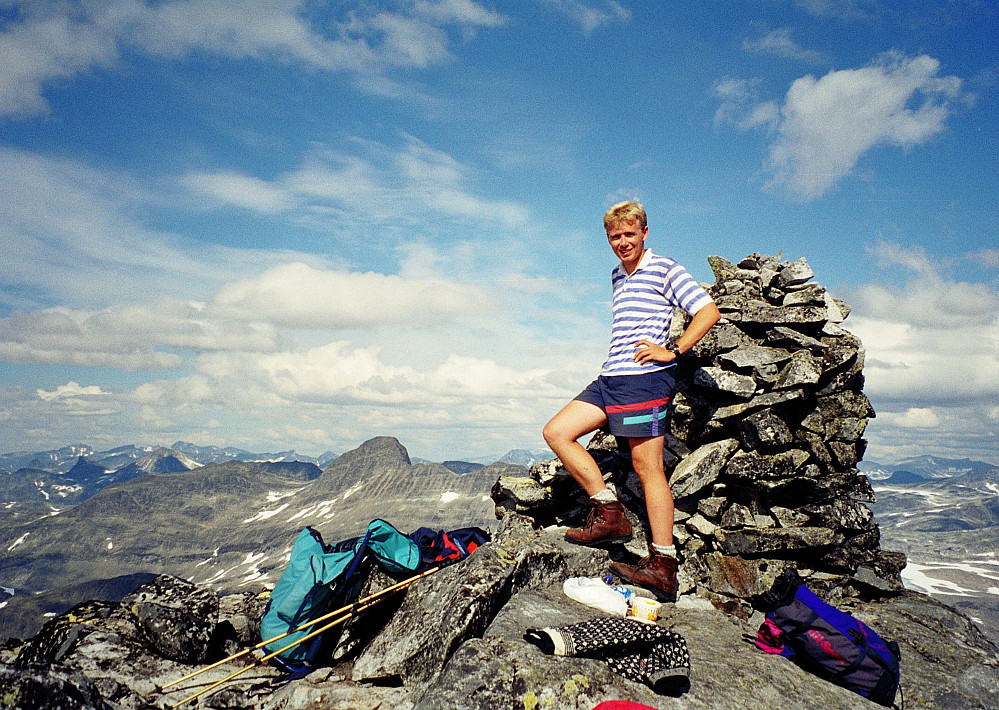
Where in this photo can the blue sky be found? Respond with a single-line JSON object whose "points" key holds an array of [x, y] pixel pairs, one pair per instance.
{"points": [[278, 224]]}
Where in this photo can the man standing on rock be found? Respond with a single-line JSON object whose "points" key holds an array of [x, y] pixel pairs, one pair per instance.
{"points": [[631, 395]]}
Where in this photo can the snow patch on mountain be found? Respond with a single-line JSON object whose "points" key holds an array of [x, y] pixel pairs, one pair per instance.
{"points": [[352, 490], [18, 541], [213, 558], [275, 496], [266, 514], [322, 509]]}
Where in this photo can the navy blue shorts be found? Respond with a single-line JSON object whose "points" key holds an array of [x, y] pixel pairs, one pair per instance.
{"points": [[636, 405]]}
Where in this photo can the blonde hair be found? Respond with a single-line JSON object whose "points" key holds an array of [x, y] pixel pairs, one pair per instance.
{"points": [[628, 211]]}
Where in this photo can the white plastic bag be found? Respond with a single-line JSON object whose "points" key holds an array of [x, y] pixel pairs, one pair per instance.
{"points": [[595, 593]]}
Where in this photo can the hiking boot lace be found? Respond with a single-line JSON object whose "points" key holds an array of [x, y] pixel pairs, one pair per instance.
{"points": [[644, 562], [594, 515]]}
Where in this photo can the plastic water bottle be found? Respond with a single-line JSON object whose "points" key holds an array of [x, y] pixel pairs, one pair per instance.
{"points": [[623, 591]]}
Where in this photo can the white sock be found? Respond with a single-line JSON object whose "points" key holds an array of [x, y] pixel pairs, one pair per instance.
{"points": [[604, 496], [665, 550]]}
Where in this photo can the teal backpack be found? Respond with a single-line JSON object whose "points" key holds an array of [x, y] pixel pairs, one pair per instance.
{"points": [[320, 578]]}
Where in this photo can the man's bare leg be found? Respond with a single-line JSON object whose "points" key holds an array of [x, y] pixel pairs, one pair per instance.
{"points": [[657, 571], [607, 521], [647, 460], [574, 420]]}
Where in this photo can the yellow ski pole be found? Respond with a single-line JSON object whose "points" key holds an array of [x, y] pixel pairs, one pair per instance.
{"points": [[302, 627], [269, 656], [356, 607]]}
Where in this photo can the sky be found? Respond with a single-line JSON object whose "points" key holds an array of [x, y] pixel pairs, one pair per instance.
{"points": [[299, 225]]}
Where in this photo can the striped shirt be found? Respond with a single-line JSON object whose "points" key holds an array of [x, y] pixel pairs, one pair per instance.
{"points": [[643, 307]]}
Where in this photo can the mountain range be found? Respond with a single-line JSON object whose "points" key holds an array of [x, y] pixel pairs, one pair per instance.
{"points": [[79, 523], [922, 468], [63, 459], [229, 525], [944, 516], [36, 483]]}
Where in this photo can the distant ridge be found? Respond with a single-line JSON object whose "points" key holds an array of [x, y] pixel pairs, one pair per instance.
{"points": [[461, 466], [905, 478], [925, 467]]}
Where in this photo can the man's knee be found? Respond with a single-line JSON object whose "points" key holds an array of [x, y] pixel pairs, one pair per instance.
{"points": [[648, 464], [650, 473], [554, 434]]}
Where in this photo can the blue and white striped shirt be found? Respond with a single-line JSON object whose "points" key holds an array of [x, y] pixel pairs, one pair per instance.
{"points": [[643, 307]]}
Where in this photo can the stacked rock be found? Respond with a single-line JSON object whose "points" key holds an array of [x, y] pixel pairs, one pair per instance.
{"points": [[762, 454]]}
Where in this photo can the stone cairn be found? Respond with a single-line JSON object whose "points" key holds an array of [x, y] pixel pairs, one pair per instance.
{"points": [[765, 438]]}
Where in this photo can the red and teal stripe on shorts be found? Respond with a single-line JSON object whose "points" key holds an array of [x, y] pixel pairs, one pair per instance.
{"points": [[653, 410]]}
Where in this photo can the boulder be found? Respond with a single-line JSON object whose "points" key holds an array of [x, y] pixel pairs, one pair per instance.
{"points": [[176, 617], [48, 687], [718, 379], [797, 273], [459, 602], [701, 468], [750, 357]]}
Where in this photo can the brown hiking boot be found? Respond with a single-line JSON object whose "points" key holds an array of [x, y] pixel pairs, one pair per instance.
{"points": [[607, 522], [655, 572]]}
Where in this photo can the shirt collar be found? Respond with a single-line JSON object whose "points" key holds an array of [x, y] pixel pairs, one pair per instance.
{"points": [[646, 257]]}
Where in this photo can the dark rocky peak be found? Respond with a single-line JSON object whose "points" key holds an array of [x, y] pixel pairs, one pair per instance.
{"points": [[55, 460], [904, 478], [161, 460], [291, 470], [85, 471], [164, 460], [461, 467], [375, 456]]}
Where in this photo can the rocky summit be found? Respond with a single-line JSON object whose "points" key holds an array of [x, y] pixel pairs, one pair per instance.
{"points": [[762, 457]]}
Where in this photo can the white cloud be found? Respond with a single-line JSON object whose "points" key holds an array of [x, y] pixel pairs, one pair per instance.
{"points": [[460, 11], [70, 389], [43, 48], [932, 360], [779, 43], [841, 9], [405, 183], [54, 40], [338, 394], [74, 400], [75, 236], [243, 316], [740, 105], [340, 373], [298, 295], [229, 188], [827, 124], [987, 257], [71, 235], [914, 418], [128, 337], [591, 16]]}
